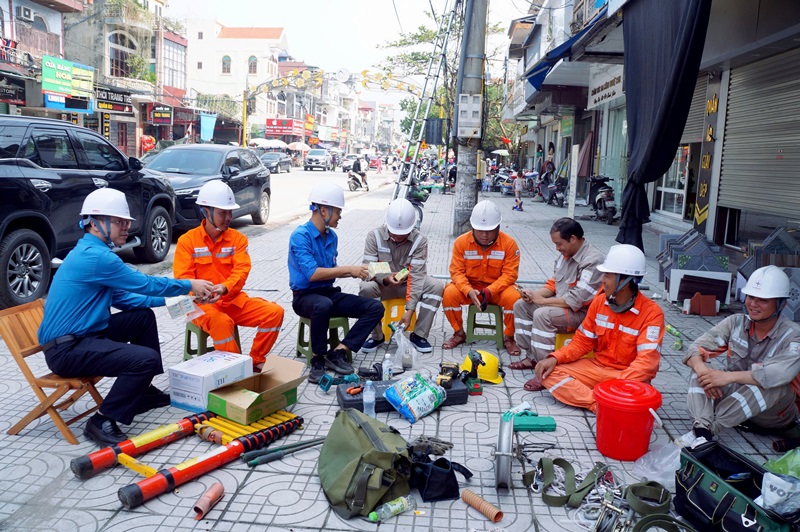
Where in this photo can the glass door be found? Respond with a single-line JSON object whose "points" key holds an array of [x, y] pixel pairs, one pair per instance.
{"points": [[671, 188]]}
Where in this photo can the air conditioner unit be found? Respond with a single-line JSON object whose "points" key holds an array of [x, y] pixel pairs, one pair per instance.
{"points": [[24, 13]]}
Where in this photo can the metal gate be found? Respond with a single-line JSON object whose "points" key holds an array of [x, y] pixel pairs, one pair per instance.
{"points": [[693, 130], [761, 149]]}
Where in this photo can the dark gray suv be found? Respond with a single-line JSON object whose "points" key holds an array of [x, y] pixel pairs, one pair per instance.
{"points": [[47, 168]]}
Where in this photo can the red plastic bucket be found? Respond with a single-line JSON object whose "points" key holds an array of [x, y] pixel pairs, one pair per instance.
{"points": [[624, 421]]}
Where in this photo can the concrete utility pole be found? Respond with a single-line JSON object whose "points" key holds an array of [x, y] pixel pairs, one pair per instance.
{"points": [[470, 81]]}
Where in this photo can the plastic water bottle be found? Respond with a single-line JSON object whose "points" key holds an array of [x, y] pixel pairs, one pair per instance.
{"points": [[392, 508], [368, 396], [388, 371]]}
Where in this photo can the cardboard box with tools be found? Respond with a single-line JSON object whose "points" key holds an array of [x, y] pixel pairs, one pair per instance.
{"points": [[191, 380], [271, 390]]}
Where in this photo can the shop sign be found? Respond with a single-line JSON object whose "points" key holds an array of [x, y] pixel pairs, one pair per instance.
{"points": [[160, 115], [276, 127], [325, 133], [183, 116], [106, 117], [701, 207], [313, 141], [605, 84], [66, 78], [343, 135], [12, 90], [111, 101], [567, 124], [65, 103], [309, 123]]}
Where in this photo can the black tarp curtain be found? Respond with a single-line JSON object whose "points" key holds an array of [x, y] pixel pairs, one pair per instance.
{"points": [[663, 47]]}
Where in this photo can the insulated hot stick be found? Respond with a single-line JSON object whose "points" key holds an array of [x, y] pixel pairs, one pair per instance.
{"points": [[85, 467], [168, 479], [252, 455], [280, 452]]}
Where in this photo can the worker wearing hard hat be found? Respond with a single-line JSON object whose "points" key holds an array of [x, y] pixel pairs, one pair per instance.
{"points": [[313, 268], [560, 305], [80, 336], [762, 360], [402, 246], [215, 252], [623, 327], [484, 268]]}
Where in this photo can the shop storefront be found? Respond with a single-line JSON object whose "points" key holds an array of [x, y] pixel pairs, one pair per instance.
{"points": [[286, 129], [67, 91], [158, 121], [114, 118], [183, 123], [12, 93]]}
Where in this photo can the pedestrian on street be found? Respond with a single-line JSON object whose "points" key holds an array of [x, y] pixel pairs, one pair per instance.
{"points": [[484, 269], [518, 185], [561, 305], [217, 253], [313, 268], [79, 335], [400, 245], [623, 327], [757, 386]]}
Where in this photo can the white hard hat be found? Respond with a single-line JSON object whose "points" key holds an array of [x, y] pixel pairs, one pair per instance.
{"points": [[400, 217], [626, 260], [218, 195], [769, 282], [485, 216], [106, 202], [329, 194]]}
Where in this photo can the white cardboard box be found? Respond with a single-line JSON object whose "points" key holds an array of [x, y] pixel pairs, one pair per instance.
{"points": [[191, 380]]}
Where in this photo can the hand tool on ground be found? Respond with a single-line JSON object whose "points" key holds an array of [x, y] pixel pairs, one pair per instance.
{"points": [[327, 381], [279, 453], [531, 421], [252, 455], [470, 378], [355, 390], [448, 372]]}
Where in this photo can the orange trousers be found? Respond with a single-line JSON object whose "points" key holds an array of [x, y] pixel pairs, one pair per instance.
{"points": [[452, 299], [572, 383], [219, 320]]}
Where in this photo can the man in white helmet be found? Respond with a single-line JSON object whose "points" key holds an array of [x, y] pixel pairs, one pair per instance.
{"points": [[80, 336], [400, 245], [313, 268], [215, 252], [623, 327], [761, 364], [484, 268]]}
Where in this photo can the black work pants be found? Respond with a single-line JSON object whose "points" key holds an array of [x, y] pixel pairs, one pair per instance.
{"points": [[320, 304], [127, 349]]}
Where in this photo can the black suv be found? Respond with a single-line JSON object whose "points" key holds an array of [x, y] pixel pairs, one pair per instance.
{"points": [[47, 168]]}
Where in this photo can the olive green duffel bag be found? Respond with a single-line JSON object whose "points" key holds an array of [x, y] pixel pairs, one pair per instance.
{"points": [[363, 463]]}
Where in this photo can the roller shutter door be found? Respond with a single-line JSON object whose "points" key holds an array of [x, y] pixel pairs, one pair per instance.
{"points": [[693, 131], [761, 152]]}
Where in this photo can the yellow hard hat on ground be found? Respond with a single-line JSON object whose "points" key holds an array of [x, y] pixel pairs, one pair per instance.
{"points": [[490, 371]]}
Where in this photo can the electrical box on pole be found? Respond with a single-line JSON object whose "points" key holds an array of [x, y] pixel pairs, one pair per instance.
{"points": [[470, 115]]}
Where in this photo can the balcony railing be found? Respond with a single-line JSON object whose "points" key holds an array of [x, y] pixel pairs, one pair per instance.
{"points": [[129, 15], [37, 42], [583, 11]]}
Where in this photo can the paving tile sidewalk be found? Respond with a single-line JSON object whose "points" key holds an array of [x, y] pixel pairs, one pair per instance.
{"points": [[38, 491]]}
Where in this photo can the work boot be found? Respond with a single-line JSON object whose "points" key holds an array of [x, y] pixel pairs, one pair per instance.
{"points": [[103, 431], [317, 369], [372, 345], [337, 361], [420, 343]]}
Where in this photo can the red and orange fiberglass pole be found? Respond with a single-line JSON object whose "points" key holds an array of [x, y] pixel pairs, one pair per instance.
{"points": [[168, 479], [85, 467]]}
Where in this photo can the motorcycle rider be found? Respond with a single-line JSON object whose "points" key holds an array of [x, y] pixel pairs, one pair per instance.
{"points": [[358, 171]]}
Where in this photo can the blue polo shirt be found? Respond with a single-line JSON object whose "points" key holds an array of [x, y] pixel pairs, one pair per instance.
{"points": [[308, 250], [93, 279]]}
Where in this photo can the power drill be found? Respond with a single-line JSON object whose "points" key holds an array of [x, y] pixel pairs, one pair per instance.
{"points": [[448, 372], [471, 379]]}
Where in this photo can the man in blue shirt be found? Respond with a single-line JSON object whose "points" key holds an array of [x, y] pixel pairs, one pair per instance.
{"points": [[81, 338], [313, 249]]}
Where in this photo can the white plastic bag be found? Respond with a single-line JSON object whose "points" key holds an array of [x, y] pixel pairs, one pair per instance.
{"points": [[779, 493], [406, 356], [659, 464]]}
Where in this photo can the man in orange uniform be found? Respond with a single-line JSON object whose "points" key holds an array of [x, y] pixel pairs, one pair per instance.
{"points": [[483, 268], [219, 254], [623, 327]]}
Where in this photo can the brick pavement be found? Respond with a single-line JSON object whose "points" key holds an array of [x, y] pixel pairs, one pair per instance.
{"points": [[38, 491]]}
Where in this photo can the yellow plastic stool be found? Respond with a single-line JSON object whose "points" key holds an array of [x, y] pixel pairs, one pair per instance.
{"points": [[303, 346], [393, 311], [563, 339], [202, 341], [496, 328]]}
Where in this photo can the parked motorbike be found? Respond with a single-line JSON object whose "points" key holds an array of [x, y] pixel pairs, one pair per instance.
{"points": [[354, 182], [601, 199], [499, 178], [551, 189]]}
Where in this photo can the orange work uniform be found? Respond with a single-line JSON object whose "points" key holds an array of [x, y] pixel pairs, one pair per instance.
{"points": [[626, 346], [474, 268], [227, 262]]}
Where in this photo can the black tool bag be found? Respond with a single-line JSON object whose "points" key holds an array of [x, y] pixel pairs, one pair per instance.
{"points": [[715, 488], [436, 480]]}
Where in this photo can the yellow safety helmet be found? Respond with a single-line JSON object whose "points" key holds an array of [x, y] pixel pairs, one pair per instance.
{"points": [[490, 371]]}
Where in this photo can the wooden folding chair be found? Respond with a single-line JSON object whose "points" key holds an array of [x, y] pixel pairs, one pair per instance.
{"points": [[18, 327]]}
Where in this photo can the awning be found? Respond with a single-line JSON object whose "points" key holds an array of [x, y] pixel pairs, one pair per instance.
{"points": [[16, 70], [539, 72]]}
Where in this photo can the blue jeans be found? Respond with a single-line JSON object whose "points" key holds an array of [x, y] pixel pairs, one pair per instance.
{"points": [[320, 304]]}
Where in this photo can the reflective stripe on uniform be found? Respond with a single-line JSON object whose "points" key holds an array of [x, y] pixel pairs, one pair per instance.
{"points": [[223, 341], [370, 258], [586, 333], [604, 324], [697, 389], [417, 262], [201, 254], [432, 296], [545, 334], [429, 307], [522, 331], [743, 403], [523, 322], [644, 347], [268, 329], [562, 383], [452, 308], [759, 397], [585, 286], [543, 346], [634, 332], [473, 257]]}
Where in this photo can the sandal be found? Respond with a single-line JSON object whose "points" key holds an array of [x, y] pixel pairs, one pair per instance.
{"points": [[458, 338], [511, 346], [534, 385], [525, 363]]}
